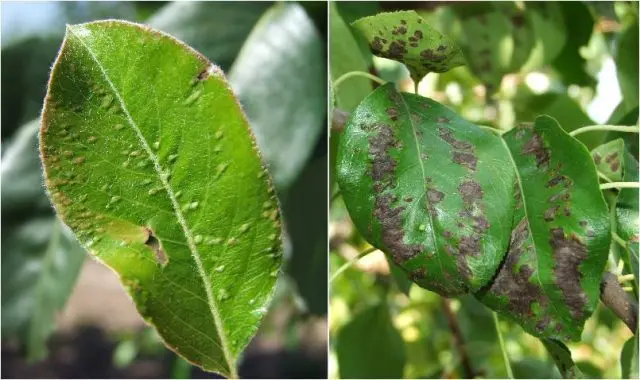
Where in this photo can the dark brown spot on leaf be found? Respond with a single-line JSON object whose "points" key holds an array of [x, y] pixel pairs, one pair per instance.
{"points": [[396, 50], [417, 274], [514, 283], [470, 191], [569, 253], [555, 180], [447, 136], [379, 145], [392, 113], [535, 146], [434, 196], [376, 45], [467, 160], [392, 233], [597, 158], [550, 213]]}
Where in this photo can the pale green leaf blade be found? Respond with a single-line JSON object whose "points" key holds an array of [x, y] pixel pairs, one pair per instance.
{"points": [[550, 281], [550, 33], [562, 357], [608, 158], [40, 257], [627, 216], [217, 29], [627, 64], [370, 346], [498, 40], [404, 36], [629, 359], [280, 76], [346, 57], [150, 160], [428, 188]]}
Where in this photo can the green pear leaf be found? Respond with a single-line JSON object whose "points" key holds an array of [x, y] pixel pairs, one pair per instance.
{"points": [[420, 184], [608, 158], [151, 162], [550, 280], [405, 37], [447, 200]]}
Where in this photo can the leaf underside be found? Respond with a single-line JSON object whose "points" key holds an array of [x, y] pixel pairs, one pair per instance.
{"points": [[519, 221], [404, 36], [150, 160]]}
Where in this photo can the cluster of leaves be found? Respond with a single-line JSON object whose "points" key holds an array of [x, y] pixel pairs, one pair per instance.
{"points": [[517, 219], [115, 203]]}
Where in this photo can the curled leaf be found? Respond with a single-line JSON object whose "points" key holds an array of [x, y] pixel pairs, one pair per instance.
{"points": [[405, 37]]}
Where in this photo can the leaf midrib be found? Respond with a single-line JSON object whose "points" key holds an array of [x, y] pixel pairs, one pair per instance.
{"points": [[213, 307], [424, 194], [526, 216]]}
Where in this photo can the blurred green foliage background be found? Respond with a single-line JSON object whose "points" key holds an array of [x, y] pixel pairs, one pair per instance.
{"points": [[575, 61], [274, 55]]}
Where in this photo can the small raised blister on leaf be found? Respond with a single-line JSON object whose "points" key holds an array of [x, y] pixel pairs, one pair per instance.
{"points": [[150, 160], [405, 36]]}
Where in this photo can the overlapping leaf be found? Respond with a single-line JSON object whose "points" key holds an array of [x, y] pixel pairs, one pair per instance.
{"points": [[420, 183], [550, 279], [608, 158], [404, 36], [371, 338], [498, 40], [280, 78], [40, 257], [447, 200], [627, 218], [150, 160]]}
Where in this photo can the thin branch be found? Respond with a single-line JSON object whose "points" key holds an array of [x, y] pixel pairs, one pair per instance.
{"points": [[458, 339], [619, 240], [351, 74], [601, 175], [349, 263], [616, 299], [620, 185], [618, 128], [503, 348]]}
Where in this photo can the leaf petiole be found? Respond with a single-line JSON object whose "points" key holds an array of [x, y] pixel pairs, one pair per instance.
{"points": [[618, 128], [604, 177], [619, 240], [351, 74], [620, 185], [505, 357], [349, 263]]}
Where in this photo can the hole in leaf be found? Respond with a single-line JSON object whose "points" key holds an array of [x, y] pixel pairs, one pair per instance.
{"points": [[153, 243]]}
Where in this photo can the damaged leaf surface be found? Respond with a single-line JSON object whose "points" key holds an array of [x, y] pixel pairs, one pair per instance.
{"points": [[518, 220], [430, 189], [151, 162], [627, 218], [609, 160], [405, 37], [549, 282]]}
